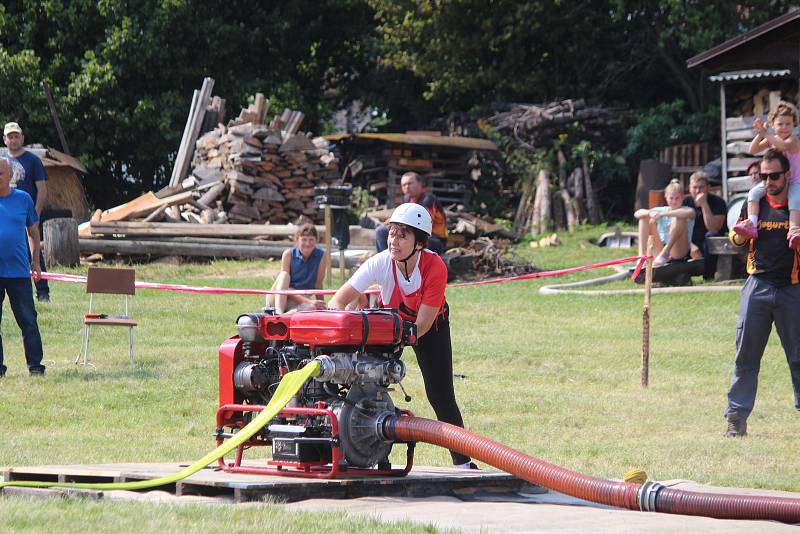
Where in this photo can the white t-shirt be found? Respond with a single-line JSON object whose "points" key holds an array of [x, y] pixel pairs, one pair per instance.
{"points": [[378, 270]]}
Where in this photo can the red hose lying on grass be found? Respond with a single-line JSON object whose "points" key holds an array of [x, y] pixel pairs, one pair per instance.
{"points": [[650, 496]]}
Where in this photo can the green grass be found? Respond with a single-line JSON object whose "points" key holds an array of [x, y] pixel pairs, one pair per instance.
{"points": [[553, 376], [83, 517]]}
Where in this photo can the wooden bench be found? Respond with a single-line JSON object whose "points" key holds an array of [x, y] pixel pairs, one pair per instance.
{"points": [[731, 262]]}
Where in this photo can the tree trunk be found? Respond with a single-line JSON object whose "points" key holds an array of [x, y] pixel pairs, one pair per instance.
{"points": [[578, 200], [569, 210], [60, 246], [521, 217], [543, 210], [591, 199]]}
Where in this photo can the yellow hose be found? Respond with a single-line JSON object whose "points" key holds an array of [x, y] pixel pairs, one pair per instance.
{"points": [[289, 385]]}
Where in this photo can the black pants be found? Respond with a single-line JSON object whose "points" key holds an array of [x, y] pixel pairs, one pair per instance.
{"points": [[435, 358], [709, 260]]}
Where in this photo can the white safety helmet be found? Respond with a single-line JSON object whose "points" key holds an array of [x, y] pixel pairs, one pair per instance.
{"points": [[413, 215]]}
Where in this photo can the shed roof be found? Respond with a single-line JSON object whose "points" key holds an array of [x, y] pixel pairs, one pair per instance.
{"points": [[52, 158], [763, 46], [419, 139], [753, 74]]}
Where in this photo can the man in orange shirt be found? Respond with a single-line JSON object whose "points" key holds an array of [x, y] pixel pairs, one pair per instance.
{"points": [[411, 184]]}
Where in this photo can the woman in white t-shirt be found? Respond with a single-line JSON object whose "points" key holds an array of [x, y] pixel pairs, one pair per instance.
{"points": [[412, 279]]}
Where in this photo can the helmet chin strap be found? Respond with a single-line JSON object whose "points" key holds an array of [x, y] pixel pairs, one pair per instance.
{"points": [[405, 263]]}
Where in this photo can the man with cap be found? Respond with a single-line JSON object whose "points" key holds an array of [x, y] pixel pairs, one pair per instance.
{"points": [[18, 257], [28, 175]]}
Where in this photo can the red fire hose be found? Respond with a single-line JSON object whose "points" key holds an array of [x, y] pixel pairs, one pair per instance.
{"points": [[650, 496]]}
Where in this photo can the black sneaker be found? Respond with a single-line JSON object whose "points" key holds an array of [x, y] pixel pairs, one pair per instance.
{"points": [[43, 297], [737, 426], [3, 369], [37, 371]]}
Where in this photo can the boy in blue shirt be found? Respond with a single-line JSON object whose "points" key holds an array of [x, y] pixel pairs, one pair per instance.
{"points": [[17, 218]]}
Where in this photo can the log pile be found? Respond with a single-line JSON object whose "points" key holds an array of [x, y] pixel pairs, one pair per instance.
{"points": [[484, 258], [248, 172], [536, 125], [259, 176]]}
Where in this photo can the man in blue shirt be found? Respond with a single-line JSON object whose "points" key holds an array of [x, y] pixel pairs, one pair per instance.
{"points": [[18, 217], [28, 175]]}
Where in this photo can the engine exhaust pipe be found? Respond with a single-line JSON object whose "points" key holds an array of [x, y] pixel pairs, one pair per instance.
{"points": [[647, 497]]}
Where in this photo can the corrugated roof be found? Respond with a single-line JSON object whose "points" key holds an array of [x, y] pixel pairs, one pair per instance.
{"points": [[753, 74], [425, 140], [739, 40]]}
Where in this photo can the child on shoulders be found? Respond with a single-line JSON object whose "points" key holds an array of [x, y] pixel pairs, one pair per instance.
{"points": [[783, 121]]}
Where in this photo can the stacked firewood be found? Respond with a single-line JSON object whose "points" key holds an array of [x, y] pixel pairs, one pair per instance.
{"points": [[265, 177], [484, 257]]}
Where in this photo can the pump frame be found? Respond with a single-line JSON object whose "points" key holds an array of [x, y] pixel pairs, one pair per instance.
{"points": [[334, 468]]}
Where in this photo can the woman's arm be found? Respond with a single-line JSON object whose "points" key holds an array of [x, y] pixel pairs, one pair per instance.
{"points": [[425, 318], [286, 261], [680, 213], [684, 213], [343, 297]]}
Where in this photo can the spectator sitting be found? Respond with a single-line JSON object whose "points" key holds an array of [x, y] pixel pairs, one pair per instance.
{"points": [[411, 184], [709, 220], [672, 225], [302, 267]]}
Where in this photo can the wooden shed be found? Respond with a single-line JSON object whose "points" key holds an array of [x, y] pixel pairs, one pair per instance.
{"points": [[377, 161], [754, 71], [64, 187]]}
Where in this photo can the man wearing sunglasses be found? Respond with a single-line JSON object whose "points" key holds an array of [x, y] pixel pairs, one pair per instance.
{"points": [[771, 294]]}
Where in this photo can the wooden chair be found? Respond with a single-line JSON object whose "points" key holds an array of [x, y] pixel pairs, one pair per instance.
{"points": [[114, 282]]}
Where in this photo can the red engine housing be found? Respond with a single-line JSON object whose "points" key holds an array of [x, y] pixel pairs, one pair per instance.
{"points": [[314, 329], [334, 328]]}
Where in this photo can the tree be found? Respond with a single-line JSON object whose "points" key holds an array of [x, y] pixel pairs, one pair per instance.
{"points": [[123, 72], [475, 52]]}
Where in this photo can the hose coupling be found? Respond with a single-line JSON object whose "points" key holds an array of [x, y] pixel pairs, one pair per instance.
{"points": [[647, 496]]}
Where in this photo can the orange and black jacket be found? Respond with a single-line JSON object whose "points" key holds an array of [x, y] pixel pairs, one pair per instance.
{"points": [[434, 207]]}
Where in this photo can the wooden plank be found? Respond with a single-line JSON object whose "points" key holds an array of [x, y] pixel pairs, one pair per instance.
{"points": [[422, 481], [180, 198], [740, 123], [184, 138], [181, 168], [740, 164], [123, 211], [739, 147], [737, 184], [358, 235], [739, 135]]}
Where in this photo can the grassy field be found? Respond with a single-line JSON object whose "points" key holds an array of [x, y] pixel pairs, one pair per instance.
{"points": [[554, 376]]}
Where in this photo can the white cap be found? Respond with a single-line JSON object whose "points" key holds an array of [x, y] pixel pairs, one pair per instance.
{"points": [[413, 215]]}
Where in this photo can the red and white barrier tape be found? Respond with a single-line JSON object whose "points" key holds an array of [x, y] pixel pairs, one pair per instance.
{"points": [[78, 279]]}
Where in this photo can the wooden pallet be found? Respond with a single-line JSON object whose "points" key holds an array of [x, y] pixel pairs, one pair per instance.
{"points": [[211, 482]]}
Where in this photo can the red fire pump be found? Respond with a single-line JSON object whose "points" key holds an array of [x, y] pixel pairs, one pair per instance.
{"points": [[334, 424]]}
